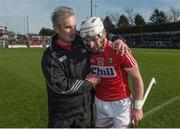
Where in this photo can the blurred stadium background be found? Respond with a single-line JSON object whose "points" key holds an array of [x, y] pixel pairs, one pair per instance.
{"points": [[162, 30]]}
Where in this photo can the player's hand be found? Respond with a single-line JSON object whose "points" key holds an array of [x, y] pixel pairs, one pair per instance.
{"points": [[137, 115], [93, 79], [120, 47]]}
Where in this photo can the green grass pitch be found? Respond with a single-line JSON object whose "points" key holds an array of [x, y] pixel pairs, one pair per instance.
{"points": [[23, 97]]}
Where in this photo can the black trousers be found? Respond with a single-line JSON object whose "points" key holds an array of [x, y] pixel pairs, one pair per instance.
{"points": [[84, 120]]}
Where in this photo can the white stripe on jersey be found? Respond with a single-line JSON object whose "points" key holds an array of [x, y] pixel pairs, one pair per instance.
{"points": [[131, 59]]}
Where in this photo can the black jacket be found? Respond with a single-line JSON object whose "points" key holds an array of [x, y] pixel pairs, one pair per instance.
{"points": [[64, 71]]}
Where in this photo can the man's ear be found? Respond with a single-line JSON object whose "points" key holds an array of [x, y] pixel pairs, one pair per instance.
{"points": [[56, 28]]}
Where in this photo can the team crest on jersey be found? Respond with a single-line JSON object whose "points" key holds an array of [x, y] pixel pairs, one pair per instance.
{"points": [[110, 60], [100, 61], [103, 71]]}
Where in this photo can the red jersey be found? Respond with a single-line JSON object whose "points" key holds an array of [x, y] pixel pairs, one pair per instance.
{"points": [[111, 68]]}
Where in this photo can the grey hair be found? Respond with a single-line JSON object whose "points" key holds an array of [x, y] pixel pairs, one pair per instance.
{"points": [[61, 11]]}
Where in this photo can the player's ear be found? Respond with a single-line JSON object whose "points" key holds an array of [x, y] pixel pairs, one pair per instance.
{"points": [[104, 33]]}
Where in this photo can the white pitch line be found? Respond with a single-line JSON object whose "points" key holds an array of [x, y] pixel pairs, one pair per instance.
{"points": [[161, 106]]}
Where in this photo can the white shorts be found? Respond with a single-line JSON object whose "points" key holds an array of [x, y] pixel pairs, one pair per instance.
{"points": [[117, 113]]}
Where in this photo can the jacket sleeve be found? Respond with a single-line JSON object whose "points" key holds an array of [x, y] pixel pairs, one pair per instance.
{"points": [[57, 79]]}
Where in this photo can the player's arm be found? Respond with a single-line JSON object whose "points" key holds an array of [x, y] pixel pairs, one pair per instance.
{"points": [[138, 87], [93, 79]]}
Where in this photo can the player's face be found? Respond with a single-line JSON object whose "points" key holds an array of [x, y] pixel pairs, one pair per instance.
{"points": [[94, 43], [66, 29]]}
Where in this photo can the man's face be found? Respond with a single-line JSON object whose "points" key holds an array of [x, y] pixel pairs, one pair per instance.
{"points": [[66, 29], [94, 43]]}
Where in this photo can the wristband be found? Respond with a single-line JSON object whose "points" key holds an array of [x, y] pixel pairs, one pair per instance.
{"points": [[138, 104]]}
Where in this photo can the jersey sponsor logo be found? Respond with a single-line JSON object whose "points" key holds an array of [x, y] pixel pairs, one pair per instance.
{"points": [[63, 58], [103, 71]]}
